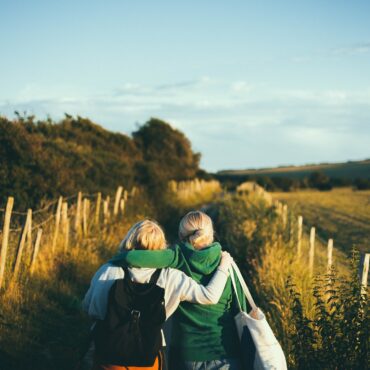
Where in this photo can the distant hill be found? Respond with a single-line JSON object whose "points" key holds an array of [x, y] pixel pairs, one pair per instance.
{"points": [[348, 170]]}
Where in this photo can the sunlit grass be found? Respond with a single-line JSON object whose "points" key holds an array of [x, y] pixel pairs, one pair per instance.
{"points": [[342, 214]]}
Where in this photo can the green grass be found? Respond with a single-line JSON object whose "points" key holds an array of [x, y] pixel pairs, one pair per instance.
{"points": [[341, 214]]}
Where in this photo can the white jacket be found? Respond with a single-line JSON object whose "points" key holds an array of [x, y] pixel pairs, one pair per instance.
{"points": [[176, 284]]}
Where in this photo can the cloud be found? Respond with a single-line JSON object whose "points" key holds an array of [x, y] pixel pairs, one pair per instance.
{"points": [[233, 123], [361, 48]]}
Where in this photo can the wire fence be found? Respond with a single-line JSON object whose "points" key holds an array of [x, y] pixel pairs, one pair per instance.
{"points": [[54, 227]]}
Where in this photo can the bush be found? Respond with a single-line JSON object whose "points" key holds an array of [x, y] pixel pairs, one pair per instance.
{"points": [[337, 336], [362, 184]]}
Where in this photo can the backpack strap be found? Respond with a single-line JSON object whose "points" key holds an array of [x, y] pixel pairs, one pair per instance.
{"points": [[154, 278]]}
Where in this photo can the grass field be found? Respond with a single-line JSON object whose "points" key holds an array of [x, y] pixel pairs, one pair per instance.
{"points": [[351, 170], [341, 214]]}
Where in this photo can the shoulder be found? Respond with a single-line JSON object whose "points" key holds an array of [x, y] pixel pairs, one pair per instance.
{"points": [[109, 271], [171, 276]]}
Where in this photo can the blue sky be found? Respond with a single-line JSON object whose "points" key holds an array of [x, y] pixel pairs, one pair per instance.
{"points": [[252, 84]]}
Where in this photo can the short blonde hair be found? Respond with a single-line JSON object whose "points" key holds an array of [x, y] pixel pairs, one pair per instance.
{"points": [[145, 234], [197, 228]]}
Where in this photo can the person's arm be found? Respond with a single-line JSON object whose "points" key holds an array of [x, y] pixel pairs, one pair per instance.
{"points": [[96, 298], [145, 258], [181, 287]]}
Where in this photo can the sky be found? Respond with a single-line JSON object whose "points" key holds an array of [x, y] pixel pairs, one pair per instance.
{"points": [[251, 83]]}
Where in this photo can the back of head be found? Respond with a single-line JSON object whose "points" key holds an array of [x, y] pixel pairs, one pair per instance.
{"points": [[196, 227], [145, 235]]}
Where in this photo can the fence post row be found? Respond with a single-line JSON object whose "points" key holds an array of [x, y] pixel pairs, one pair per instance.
{"points": [[61, 227], [4, 244]]}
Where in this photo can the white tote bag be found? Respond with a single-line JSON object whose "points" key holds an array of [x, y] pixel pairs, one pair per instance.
{"points": [[269, 354]]}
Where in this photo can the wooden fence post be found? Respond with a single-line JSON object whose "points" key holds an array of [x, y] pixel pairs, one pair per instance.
{"points": [[36, 249], [365, 272], [65, 224], [21, 243], [78, 213], [29, 233], [133, 191], [122, 206], [330, 253], [125, 195], [312, 250], [106, 209], [299, 236], [66, 239], [85, 215], [285, 215], [57, 222], [4, 243], [97, 209], [116, 201]]}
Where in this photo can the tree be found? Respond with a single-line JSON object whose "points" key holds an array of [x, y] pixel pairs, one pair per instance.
{"points": [[167, 154], [320, 180]]}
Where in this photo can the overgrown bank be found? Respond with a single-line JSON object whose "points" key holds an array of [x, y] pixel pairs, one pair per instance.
{"points": [[321, 321], [42, 326], [41, 322]]}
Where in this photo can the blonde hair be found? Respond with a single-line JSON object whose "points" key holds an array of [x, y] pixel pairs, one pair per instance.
{"points": [[145, 234], [196, 227]]}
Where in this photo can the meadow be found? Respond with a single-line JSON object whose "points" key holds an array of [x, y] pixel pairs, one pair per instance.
{"points": [[42, 325], [350, 169], [342, 214]]}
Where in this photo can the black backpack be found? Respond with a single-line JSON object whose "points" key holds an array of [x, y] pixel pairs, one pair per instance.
{"points": [[130, 334]]}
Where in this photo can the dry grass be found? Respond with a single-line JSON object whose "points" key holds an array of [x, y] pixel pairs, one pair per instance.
{"points": [[41, 322], [188, 193], [341, 214]]}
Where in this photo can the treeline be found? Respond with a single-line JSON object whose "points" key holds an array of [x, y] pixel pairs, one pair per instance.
{"points": [[42, 159], [316, 180]]}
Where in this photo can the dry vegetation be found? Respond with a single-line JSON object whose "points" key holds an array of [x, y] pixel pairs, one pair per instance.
{"points": [[41, 322], [320, 317], [341, 214]]}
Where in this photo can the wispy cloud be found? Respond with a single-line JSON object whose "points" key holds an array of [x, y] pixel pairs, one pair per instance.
{"points": [[361, 48], [233, 123]]}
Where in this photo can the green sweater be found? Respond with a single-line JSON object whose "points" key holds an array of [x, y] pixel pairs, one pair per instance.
{"points": [[200, 332]]}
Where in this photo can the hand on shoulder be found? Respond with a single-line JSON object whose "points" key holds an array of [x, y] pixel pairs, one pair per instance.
{"points": [[226, 261]]}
